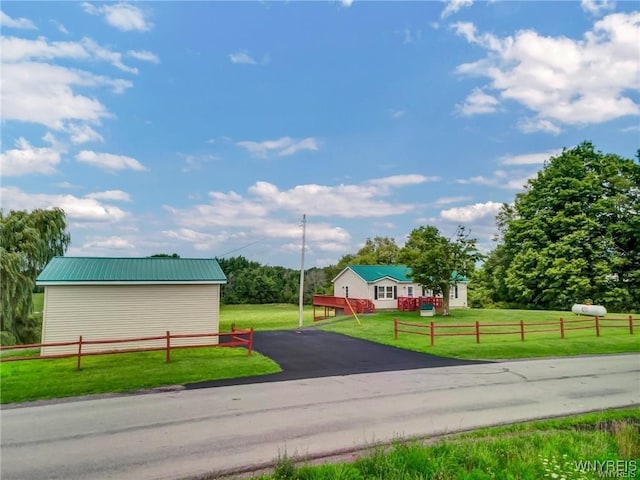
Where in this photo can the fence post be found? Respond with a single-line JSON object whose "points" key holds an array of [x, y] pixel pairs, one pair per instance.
{"points": [[250, 341], [630, 324], [597, 326], [432, 332], [561, 327], [79, 350], [233, 337], [522, 330], [477, 331], [395, 328], [168, 346]]}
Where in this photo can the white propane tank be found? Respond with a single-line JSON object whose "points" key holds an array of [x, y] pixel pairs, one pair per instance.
{"points": [[592, 310]]}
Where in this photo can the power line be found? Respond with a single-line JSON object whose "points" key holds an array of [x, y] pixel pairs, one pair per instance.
{"points": [[240, 248]]}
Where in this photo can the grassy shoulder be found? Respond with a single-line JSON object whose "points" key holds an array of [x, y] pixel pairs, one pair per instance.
{"points": [[584, 447], [57, 378], [379, 328]]}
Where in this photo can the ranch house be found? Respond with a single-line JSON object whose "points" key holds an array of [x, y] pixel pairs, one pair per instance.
{"points": [[118, 298], [385, 284]]}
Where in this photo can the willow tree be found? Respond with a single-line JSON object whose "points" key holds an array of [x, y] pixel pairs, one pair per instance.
{"points": [[28, 240], [437, 262]]}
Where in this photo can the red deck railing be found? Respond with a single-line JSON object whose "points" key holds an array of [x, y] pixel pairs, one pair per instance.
{"points": [[349, 305], [410, 304], [478, 329], [237, 338]]}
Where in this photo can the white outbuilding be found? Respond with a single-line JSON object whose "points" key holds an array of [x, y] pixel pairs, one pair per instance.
{"points": [[117, 298]]}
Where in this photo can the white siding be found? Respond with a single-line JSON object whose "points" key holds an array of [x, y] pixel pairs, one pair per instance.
{"points": [[461, 301], [358, 288], [388, 303], [125, 311]]}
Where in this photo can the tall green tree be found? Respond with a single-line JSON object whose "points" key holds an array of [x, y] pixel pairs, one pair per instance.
{"points": [[436, 261], [574, 233], [28, 240], [376, 251]]}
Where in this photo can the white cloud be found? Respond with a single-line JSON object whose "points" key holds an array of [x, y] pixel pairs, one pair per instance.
{"points": [[347, 201], [242, 57], [454, 6], [597, 7], [478, 102], [23, 23], [500, 179], [66, 185], [109, 161], [43, 93], [346, 3], [632, 128], [83, 134], [16, 49], [410, 36], [396, 114], [450, 200], [196, 162], [109, 243], [402, 180], [201, 241], [471, 213], [532, 125], [144, 55], [266, 211], [571, 81], [123, 16], [530, 158], [60, 26], [99, 52], [77, 209], [117, 195], [28, 160], [305, 144], [283, 146]]}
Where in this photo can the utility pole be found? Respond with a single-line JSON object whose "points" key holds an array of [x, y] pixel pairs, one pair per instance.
{"points": [[301, 299]]}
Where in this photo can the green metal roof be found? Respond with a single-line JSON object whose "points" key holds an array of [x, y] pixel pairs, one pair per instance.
{"points": [[373, 273], [399, 273], [131, 270]]}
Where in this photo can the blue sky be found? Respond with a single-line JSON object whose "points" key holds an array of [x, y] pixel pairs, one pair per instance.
{"points": [[209, 128]]}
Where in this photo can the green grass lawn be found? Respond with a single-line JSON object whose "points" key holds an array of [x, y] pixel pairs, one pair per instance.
{"points": [[56, 378], [38, 302], [279, 316], [379, 328], [550, 449]]}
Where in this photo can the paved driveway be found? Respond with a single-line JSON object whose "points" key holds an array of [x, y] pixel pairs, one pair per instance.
{"points": [[313, 353]]}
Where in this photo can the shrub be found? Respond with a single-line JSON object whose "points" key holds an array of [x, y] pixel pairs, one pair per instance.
{"points": [[31, 330], [7, 338]]}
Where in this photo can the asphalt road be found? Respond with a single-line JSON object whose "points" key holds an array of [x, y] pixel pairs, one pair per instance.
{"points": [[191, 432]]}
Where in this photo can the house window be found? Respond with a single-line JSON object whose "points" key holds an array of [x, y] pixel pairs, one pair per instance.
{"points": [[385, 292], [410, 291], [454, 292], [346, 291]]}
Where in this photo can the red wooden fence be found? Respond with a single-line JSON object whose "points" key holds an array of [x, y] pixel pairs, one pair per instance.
{"points": [[562, 326], [237, 338]]}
